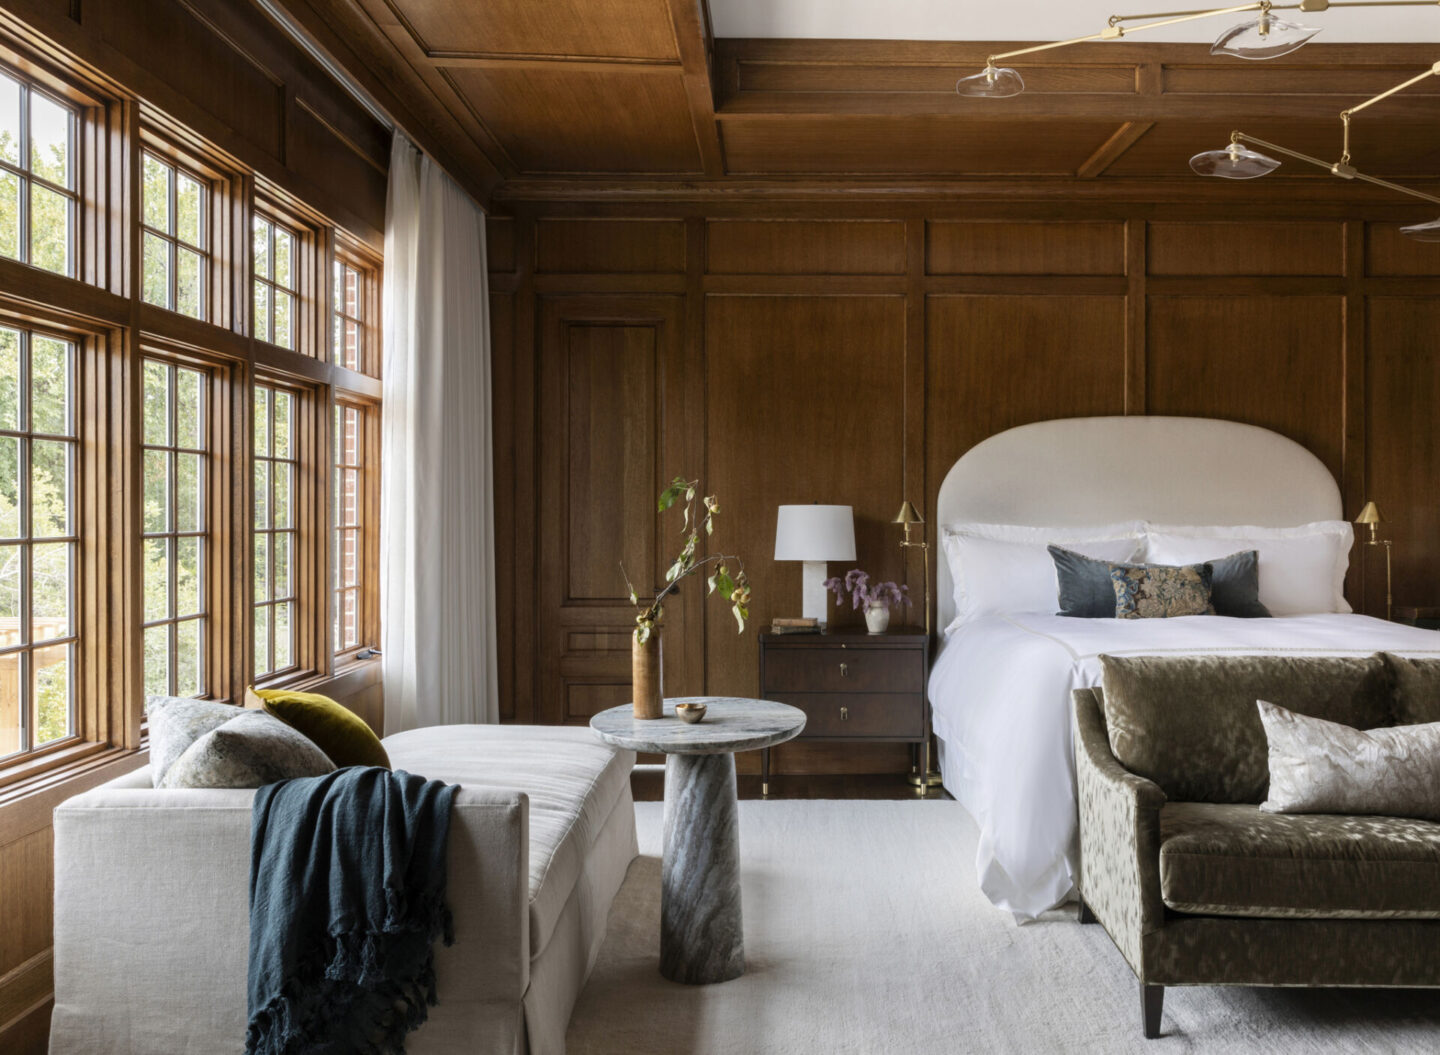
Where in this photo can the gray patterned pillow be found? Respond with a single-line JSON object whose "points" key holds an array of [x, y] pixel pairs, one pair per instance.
{"points": [[1161, 591], [176, 723], [252, 749], [1325, 767]]}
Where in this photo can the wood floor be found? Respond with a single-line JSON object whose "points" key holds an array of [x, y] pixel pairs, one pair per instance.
{"points": [[648, 785]]}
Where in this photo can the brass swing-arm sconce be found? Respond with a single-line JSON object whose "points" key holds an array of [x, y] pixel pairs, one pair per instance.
{"points": [[908, 517], [1263, 37], [1371, 515], [1236, 162]]}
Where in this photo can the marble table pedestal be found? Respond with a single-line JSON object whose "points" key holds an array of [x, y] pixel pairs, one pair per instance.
{"points": [[701, 934]]}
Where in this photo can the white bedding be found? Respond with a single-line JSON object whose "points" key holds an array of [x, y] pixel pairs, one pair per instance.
{"points": [[1000, 693]]}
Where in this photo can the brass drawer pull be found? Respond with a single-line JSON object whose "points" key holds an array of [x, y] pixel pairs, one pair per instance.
{"points": [[844, 714], [844, 671]]}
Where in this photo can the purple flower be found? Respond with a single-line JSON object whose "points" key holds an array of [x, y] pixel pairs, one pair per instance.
{"points": [[863, 593]]}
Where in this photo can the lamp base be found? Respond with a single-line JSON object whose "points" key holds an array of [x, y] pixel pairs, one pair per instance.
{"points": [[813, 576]]}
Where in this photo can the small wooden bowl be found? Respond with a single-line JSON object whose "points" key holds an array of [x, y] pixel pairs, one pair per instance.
{"points": [[690, 712]]}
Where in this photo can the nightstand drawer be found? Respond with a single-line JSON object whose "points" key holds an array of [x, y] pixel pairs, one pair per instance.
{"points": [[900, 716], [842, 670]]}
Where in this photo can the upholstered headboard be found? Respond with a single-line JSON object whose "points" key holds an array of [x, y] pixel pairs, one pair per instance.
{"points": [[1077, 471]]}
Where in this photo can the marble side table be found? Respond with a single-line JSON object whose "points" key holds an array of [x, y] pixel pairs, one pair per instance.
{"points": [[701, 939]]}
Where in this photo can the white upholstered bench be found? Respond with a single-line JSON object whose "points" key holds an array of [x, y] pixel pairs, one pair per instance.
{"points": [[152, 915]]}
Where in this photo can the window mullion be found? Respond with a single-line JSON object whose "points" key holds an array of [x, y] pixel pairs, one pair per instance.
{"points": [[24, 188]]}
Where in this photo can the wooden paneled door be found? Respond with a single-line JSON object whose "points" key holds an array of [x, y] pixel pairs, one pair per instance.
{"points": [[612, 382]]}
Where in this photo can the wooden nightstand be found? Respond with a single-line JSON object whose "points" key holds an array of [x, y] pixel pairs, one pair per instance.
{"points": [[851, 685], [1426, 617]]}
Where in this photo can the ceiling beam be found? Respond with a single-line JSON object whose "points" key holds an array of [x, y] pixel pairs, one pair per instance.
{"points": [[1109, 152], [1297, 195], [465, 60], [1199, 106], [691, 19]]}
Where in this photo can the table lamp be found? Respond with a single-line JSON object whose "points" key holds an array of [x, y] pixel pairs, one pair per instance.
{"points": [[1371, 515], [814, 534]]}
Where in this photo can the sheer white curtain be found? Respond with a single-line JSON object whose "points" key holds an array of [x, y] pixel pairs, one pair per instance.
{"points": [[437, 535]]}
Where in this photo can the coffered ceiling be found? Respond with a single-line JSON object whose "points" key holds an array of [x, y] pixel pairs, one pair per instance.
{"points": [[603, 92]]}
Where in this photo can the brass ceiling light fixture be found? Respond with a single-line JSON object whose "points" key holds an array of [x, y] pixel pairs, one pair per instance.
{"points": [[1266, 36], [1237, 162]]}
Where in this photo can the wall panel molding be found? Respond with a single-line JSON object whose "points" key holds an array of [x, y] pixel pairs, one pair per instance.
{"points": [[814, 371]]}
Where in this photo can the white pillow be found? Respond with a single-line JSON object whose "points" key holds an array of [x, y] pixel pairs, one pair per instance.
{"points": [[1302, 569], [1007, 568]]}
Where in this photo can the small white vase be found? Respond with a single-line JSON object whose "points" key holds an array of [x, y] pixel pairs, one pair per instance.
{"points": [[877, 618]]}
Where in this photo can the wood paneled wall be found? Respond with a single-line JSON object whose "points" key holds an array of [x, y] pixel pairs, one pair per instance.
{"points": [[850, 353]]}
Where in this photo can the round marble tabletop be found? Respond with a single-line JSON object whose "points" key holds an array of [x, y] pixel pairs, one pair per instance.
{"points": [[731, 723]]}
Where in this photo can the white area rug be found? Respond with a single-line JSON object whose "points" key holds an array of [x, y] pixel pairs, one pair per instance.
{"points": [[865, 932]]}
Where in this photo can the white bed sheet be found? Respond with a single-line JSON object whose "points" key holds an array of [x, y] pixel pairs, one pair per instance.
{"points": [[1000, 695]]}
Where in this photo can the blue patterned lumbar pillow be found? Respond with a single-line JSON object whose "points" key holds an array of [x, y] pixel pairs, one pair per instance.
{"points": [[1161, 591]]}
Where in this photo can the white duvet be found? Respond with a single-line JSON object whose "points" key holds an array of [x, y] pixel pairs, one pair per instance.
{"points": [[1000, 694]]}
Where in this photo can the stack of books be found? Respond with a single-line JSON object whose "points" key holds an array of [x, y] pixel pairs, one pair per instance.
{"points": [[795, 626]]}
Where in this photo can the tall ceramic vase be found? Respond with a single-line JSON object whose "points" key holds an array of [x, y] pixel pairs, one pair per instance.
{"points": [[647, 669]]}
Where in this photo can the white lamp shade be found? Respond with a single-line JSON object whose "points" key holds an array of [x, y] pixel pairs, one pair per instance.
{"points": [[815, 532]]}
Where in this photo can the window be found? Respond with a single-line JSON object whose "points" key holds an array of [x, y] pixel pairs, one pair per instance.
{"points": [[348, 556], [176, 474], [276, 283], [174, 255], [38, 536], [275, 533], [38, 200], [151, 543], [348, 349]]}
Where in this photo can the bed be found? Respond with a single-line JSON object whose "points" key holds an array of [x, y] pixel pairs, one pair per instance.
{"points": [[1001, 683]]}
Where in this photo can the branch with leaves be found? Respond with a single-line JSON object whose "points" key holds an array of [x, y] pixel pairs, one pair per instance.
{"points": [[733, 588]]}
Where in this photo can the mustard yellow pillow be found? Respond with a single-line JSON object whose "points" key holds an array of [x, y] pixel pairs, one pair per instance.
{"points": [[340, 733]]}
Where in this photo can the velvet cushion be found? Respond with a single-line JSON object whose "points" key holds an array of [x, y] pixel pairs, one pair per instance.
{"points": [[175, 723], [1417, 689], [1235, 586], [340, 732], [251, 750], [1325, 767], [1085, 588], [1161, 591], [1234, 860], [1189, 723]]}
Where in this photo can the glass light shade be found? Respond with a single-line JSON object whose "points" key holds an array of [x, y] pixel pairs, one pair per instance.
{"points": [[1246, 41], [1423, 232], [991, 83], [1233, 162]]}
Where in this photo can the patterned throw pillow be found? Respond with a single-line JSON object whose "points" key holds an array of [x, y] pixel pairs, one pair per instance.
{"points": [[176, 723], [1161, 591], [1325, 767], [250, 750]]}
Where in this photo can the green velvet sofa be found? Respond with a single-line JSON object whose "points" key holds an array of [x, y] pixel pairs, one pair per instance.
{"points": [[1194, 883]]}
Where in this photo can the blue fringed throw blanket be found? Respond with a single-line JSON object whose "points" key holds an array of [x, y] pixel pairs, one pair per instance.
{"points": [[347, 896]]}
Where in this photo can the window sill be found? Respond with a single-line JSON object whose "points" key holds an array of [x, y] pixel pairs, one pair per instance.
{"points": [[345, 677], [347, 666]]}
